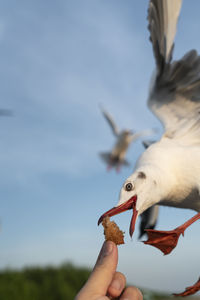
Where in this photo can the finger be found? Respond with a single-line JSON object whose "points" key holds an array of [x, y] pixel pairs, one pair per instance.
{"points": [[131, 293], [103, 271], [117, 285]]}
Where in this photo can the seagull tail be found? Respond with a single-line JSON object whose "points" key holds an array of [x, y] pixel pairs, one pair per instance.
{"points": [[105, 156]]}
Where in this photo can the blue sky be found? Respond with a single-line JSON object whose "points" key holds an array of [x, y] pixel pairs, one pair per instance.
{"points": [[59, 60]]}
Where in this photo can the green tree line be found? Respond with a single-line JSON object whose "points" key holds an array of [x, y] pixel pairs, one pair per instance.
{"points": [[52, 283], [36, 283]]}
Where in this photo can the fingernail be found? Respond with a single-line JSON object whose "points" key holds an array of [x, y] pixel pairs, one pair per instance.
{"points": [[116, 284], [107, 248]]}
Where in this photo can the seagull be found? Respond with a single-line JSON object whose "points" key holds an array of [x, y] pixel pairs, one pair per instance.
{"points": [[167, 173], [116, 157]]}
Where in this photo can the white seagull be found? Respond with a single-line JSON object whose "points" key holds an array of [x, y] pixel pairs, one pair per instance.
{"points": [[168, 172], [116, 157]]}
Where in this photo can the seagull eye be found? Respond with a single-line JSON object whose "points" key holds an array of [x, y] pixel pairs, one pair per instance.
{"points": [[129, 187]]}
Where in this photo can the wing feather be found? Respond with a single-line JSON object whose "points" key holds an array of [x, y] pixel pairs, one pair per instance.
{"points": [[148, 219], [175, 97], [175, 93], [111, 122], [162, 17]]}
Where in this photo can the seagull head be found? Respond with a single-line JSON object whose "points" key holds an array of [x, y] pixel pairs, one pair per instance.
{"points": [[136, 195]]}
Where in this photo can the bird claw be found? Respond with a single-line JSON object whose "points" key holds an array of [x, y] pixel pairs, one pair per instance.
{"points": [[190, 290], [166, 241]]}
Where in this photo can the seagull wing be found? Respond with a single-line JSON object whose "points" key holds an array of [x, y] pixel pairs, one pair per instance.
{"points": [[175, 90], [162, 17], [148, 219], [175, 93], [110, 122]]}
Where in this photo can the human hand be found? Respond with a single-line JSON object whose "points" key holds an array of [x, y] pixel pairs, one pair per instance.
{"points": [[104, 282]]}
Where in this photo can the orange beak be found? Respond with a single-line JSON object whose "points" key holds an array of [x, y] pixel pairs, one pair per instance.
{"points": [[130, 204]]}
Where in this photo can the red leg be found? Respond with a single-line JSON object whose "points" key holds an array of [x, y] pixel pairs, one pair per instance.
{"points": [[166, 241], [190, 290]]}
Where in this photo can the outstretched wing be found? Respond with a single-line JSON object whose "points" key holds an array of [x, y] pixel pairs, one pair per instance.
{"points": [[162, 17], [175, 92], [110, 122]]}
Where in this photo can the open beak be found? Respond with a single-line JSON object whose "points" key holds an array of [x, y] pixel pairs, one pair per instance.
{"points": [[130, 204]]}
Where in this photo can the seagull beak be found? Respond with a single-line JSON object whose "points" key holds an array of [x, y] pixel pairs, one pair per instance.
{"points": [[130, 204]]}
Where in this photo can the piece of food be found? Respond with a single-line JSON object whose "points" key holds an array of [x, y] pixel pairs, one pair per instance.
{"points": [[112, 231]]}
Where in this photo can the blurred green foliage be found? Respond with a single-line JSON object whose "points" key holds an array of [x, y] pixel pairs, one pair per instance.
{"points": [[52, 283]]}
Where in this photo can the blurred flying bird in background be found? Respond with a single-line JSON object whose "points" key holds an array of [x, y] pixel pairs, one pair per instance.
{"points": [[116, 157]]}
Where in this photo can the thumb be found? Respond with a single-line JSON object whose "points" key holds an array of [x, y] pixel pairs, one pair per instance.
{"points": [[103, 271]]}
